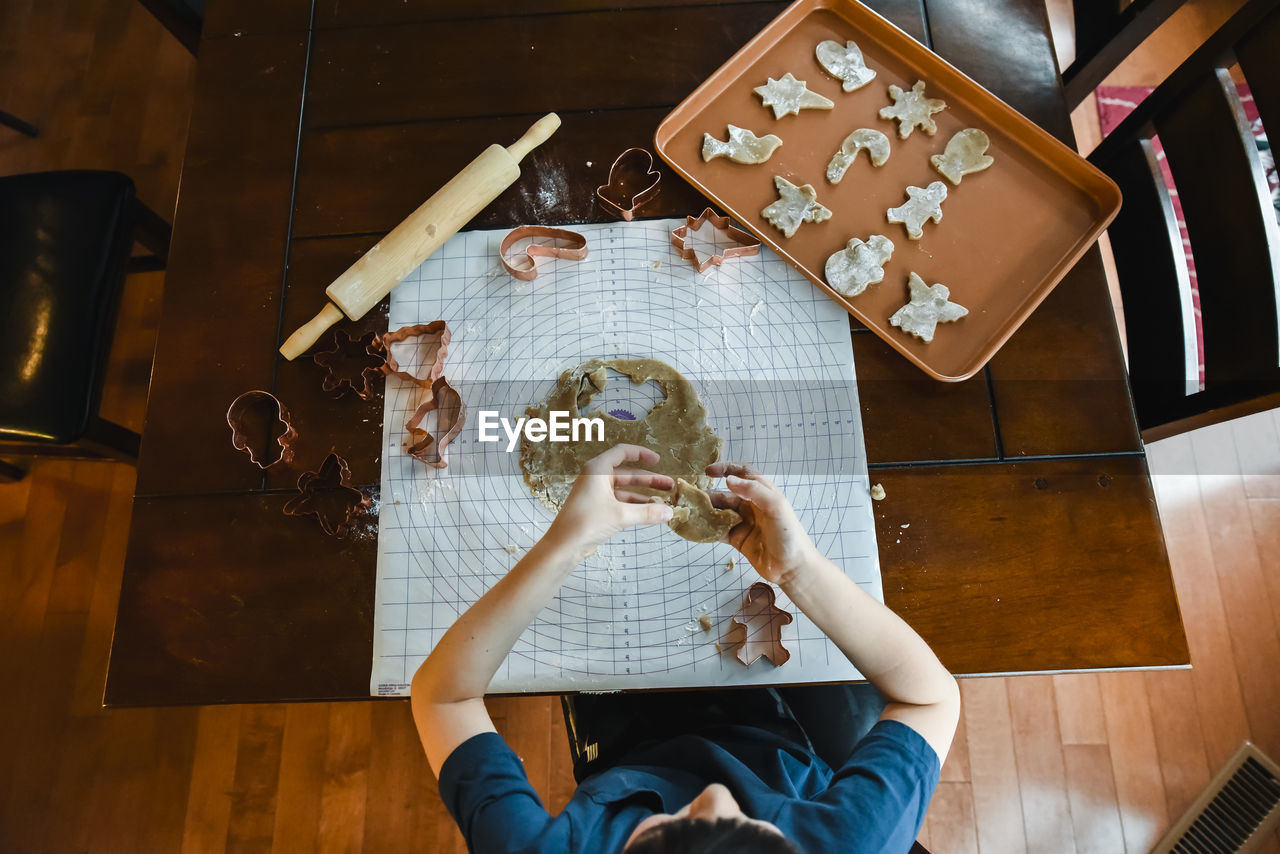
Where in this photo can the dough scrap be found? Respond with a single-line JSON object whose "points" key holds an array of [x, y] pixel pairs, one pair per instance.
{"points": [[743, 146], [912, 109], [859, 264], [876, 144], [789, 96], [929, 306], [845, 63], [795, 206], [676, 427], [923, 204], [965, 153]]}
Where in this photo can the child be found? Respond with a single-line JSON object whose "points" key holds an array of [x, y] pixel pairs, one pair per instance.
{"points": [[720, 771]]}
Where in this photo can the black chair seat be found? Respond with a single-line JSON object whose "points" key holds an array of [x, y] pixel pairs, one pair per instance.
{"points": [[65, 239]]}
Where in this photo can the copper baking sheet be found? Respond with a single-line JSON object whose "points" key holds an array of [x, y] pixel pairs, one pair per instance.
{"points": [[1007, 235]]}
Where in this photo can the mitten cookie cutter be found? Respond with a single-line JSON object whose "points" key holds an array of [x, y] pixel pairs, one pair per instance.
{"points": [[524, 266], [632, 182], [252, 418]]}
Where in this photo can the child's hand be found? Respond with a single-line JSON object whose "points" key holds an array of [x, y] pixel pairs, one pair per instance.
{"points": [[769, 535], [600, 504]]}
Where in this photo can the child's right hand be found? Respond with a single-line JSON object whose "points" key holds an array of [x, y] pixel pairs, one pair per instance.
{"points": [[769, 535]]}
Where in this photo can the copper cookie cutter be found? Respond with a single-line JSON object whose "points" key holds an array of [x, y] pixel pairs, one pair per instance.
{"points": [[757, 627], [350, 365], [326, 494], [632, 182], [432, 340], [451, 415], [524, 266], [253, 417], [747, 244]]}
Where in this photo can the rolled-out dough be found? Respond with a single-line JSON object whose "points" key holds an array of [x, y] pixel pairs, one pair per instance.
{"points": [[676, 427]]}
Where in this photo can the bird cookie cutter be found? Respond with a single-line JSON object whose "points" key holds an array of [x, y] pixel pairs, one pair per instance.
{"points": [[253, 417], [680, 238], [632, 182], [524, 265]]}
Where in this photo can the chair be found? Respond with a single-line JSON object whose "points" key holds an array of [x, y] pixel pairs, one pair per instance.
{"points": [[1196, 121], [65, 239], [1107, 31]]}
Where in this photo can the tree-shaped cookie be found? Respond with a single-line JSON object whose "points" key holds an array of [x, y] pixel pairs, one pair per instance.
{"points": [[929, 305], [795, 205], [965, 153], [743, 146], [845, 63], [876, 144], [757, 627], [859, 264], [922, 204], [789, 96], [913, 110]]}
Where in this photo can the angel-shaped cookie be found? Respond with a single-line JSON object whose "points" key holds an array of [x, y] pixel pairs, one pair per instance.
{"points": [[912, 109], [795, 206], [859, 264], [876, 144], [845, 63], [743, 146], [965, 153], [929, 306], [923, 203], [789, 96]]}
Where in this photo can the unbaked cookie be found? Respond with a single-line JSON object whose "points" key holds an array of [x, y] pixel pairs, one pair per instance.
{"points": [[859, 264], [965, 153], [845, 63], [789, 96], [876, 144], [743, 146], [923, 204], [795, 206], [913, 110], [929, 306]]}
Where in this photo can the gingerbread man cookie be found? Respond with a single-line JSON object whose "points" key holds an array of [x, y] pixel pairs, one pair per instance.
{"points": [[743, 146], [859, 264], [923, 204], [913, 110], [845, 63], [876, 144], [965, 153], [789, 96], [795, 206], [929, 305]]}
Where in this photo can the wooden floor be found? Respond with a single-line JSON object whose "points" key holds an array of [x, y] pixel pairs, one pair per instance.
{"points": [[1087, 763]]}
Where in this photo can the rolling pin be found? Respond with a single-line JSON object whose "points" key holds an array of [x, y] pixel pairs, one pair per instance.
{"points": [[425, 230]]}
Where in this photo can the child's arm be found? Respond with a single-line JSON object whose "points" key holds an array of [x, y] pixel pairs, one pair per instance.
{"points": [[896, 660], [448, 689]]}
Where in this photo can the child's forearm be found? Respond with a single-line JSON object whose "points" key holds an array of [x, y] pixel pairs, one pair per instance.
{"points": [[464, 661]]}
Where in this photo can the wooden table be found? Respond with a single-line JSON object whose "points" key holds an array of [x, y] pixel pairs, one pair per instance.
{"points": [[1034, 542]]}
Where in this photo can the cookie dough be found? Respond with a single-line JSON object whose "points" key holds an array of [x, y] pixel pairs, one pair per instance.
{"points": [[965, 153], [789, 96], [794, 207], [845, 63], [876, 144], [913, 110], [859, 264], [929, 306], [923, 204], [743, 146], [676, 427]]}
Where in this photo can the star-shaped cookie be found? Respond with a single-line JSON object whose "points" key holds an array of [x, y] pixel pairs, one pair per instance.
{"points": [[929, 306], [912, 109], [795, 206], [923, 204], [789, 96]]}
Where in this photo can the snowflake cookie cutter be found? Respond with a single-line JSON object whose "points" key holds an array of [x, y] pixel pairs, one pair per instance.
{"points": [[427, 362], [745, 244], [632, 182], [451, 415], [756, 627], [572, 246], [351, 365], [327, 495], [253, 417]]}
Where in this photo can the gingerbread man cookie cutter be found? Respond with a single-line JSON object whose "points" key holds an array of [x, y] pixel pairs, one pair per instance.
{"points": [[757, 627], [524, 265]]}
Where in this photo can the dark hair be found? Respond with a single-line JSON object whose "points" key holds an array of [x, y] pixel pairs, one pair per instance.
{"points": [[703, 836]]}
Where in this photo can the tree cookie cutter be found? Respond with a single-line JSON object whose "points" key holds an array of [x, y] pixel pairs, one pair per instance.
{"points": [[451, 415], [757, 627], [745, 244], [632, 182], [352, 364], [253, 417], [326, 495], [427, 360], [524, 265]]}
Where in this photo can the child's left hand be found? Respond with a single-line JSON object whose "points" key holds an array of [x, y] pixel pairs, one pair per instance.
{"points": [[601, 503]]}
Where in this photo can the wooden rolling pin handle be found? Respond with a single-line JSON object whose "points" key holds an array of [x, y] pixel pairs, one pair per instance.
{"points": [[309, 333], [534, 136]]}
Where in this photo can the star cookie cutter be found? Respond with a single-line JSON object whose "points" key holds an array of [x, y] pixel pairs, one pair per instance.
{"points": [[253, 417], [632, 182], [746, 244], [757, 627], [352, 364], [326, 495], [524, 265], [426, 363], [451, 414]]}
